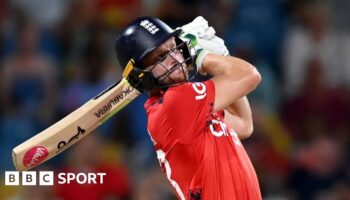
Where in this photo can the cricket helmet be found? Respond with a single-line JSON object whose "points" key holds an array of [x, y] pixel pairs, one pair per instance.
{"points": [[136, 41]]}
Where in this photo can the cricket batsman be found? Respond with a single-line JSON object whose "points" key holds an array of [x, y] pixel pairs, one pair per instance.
{"points": [[196, 127]]}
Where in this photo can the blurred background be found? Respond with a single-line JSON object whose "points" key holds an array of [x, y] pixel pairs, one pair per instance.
{"points": [[56, 55]]}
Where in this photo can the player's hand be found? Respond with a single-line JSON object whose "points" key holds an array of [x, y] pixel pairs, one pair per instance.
{"points": [[204, 36], [200, 28], [202, 40], [199, 48]]}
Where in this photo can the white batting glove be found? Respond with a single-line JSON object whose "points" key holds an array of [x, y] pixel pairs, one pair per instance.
{"points": [[199, 48], [200, 28], [202, 40]]}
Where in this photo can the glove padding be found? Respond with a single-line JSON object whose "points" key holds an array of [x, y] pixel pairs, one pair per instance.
{"points": [[202, 40], [200, 28]]}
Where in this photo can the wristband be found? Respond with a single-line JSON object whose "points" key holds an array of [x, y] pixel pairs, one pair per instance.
{"points": [[201, 54]]}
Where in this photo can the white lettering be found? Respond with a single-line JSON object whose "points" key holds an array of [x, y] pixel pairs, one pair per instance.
{"points": [[212, 129], [200, 89], [219, 128], [40, 152], [61, 178], [79, 180], [46, 178], [29, 178], [70, 177], [101, 175], [11, 178], [92, 178]]}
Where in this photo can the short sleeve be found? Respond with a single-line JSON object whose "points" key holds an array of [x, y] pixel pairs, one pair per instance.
{"points": [[188, 107]]}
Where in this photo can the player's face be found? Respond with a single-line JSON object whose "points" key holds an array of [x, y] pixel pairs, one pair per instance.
{"points": [[167, 63]]}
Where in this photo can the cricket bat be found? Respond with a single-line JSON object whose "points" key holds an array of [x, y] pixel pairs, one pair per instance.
{"points": [[74, 127]]}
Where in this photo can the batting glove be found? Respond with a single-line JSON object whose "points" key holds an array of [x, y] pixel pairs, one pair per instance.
{"points": [[202, 40]]}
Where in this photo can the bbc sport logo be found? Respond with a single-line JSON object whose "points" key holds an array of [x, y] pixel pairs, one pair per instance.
{"points": [[47, 178]]}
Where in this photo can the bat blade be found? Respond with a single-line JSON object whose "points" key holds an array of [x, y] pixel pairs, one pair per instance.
{"points": [[72, 128]]}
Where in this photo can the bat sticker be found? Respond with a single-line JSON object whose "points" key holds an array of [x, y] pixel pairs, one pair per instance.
{"points": [[62, 144], [114, 101]]}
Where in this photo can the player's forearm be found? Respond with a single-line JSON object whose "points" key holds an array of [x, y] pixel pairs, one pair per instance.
{"points": [[227, 65], [233, 78], [239, 115]]}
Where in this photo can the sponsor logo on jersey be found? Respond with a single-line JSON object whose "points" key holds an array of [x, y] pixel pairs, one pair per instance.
{"points": [[219, 128], [200, 89]]}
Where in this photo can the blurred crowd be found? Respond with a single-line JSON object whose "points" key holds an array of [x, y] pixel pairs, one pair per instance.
{"points": [[56, 55]]}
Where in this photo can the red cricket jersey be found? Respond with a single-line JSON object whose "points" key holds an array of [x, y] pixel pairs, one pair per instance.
{"points": [[200, 154]]}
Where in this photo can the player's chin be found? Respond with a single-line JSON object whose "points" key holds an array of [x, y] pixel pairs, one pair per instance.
{"points": [[181, 79]]}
